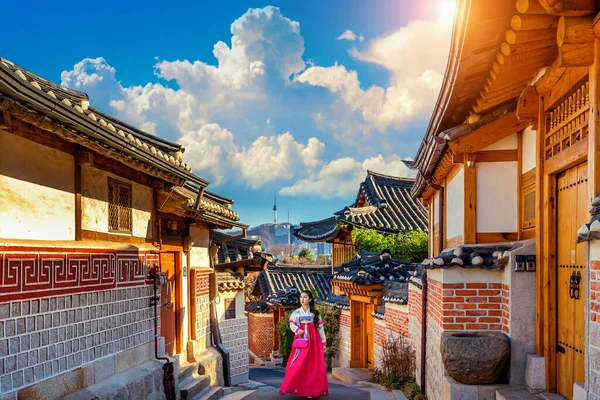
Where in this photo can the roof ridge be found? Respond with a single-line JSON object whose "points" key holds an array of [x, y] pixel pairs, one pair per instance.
{"points": [[378, 174]]}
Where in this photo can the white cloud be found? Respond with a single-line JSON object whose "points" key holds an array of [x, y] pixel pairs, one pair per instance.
{"points": [[347, 35], [416, 76], [340, 178]]}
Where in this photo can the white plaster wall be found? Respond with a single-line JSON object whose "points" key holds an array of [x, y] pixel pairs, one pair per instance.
{"points": [[508, 143], [455, 212], [94, 203], [185, 300], [221, 304], [199, 256], [37, 198], [497, 197], [528, 151]]}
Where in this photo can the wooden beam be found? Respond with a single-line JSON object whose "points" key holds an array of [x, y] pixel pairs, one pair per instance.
{"points": [[488, 156], [519, 48], [530, 7], [540, 331], [514, 37], [496, 237], [549, 278], [470, 199], [525, 22], [550, 77], [528, 104], [575, 55], [567, 158], [575, 37], [5, 121], [569, 7], [488, 134], [78, 213], [520, 180], [572, 77], [593, 167]]}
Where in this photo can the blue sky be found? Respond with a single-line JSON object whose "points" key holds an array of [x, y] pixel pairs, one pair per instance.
{"points": [[294, 97]]}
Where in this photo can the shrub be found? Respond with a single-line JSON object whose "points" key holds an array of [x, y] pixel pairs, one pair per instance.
{"points": [[331, 323], [286, 337], [398, 368]]}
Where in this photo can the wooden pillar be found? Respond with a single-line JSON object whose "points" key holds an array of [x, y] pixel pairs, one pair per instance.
{"points": [[519, 185], [539, 242], [594, 128], [470, 199]]}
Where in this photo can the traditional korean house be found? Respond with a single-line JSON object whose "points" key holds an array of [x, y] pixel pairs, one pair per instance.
{"points": [[372, 291], [508, 169], [106, 274], [279, 288], [383, 203]]}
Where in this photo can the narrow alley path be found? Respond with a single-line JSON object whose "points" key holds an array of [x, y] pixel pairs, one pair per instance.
{"points": [[272, 378]]}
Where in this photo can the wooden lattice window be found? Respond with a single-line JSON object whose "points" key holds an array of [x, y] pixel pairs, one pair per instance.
{"points": [[229, 308], [567, 123], [119, 206], [529, 208]]}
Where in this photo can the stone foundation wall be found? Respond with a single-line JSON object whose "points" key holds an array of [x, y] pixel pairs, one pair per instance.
{"points": [[46, 337], [343, 356], [594, 332], [379, 336], [202, 308], [434, 368], [260, 333], [234, 333]]}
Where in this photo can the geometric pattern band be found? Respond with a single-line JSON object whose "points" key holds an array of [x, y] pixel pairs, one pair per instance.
{"points": [[31, 273]]}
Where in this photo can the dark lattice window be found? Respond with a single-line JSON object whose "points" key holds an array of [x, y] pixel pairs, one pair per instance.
{"points": [[230, 309], [119, 206]]}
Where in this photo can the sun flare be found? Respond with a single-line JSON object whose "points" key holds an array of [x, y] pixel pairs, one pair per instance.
{"points": [[446, 9]]}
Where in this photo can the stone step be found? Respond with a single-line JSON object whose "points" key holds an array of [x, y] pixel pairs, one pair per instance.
{"points": [[192, 385], [516, 394], [209, 393], [185, 371]]}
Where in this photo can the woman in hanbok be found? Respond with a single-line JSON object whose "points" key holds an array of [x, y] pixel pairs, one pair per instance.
{"points": [[306, 374]]}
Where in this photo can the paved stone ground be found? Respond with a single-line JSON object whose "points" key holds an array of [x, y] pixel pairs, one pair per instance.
{"points": [[268, 381]]}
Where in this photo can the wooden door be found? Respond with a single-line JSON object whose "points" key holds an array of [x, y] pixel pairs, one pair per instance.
{"points": [[370, 325], [357, 311], [571, 214], [168, 320]]}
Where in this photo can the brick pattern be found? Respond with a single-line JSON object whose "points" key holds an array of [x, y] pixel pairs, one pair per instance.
{"points": [[595, 291], [33, 272], [379, 334], [260, 334], [506, 308], [234, 333], [467, 306], [594, 331], [44, 337], [434, 367], [396, 320], [414, 325], [203, 318], [345, 319]]}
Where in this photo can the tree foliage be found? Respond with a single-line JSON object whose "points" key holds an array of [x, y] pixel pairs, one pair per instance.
{"points": [[286, 337], [408, 246], [305, 253], [331, 324]]}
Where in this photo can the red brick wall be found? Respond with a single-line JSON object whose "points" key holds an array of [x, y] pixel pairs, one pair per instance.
{"points": [[414, 303], [505, 308], [260, 334], [379, 335], [396, 320], [345, 320], [467, 306], [595, 291]]}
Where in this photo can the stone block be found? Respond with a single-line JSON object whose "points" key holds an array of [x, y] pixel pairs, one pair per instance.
{"points": [[535, 373], [25, 307], [579, 392], [15, 309], [104, 368], [21, 328], [6, 383], [32, 358]]}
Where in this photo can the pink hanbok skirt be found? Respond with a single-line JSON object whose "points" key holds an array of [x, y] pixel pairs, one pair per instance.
{"points": [[305, 373]]}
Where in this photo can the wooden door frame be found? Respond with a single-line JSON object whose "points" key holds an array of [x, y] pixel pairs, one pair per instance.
{"points": [[177, 251], [364, 301]]}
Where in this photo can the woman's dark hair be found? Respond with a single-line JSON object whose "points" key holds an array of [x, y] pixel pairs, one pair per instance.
{"points": [[312, 307]]}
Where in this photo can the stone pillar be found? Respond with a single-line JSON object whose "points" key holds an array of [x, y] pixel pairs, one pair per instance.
{"points": [[415, 298], [343, 357]]}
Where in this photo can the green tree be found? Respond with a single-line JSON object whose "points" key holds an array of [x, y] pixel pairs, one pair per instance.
{"points": [[305, 253], [408, 246]]}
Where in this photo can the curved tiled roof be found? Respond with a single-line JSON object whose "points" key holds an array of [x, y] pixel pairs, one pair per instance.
{"points": [[389, 208], [277, 278], [71, 109], [229, 282], [374, 268]]}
